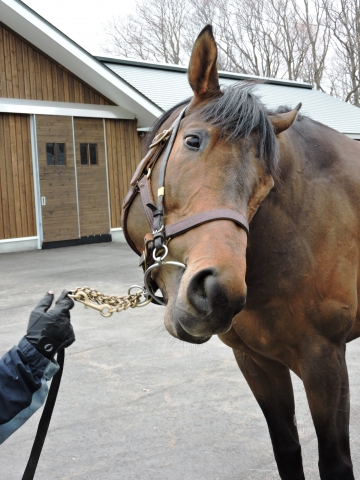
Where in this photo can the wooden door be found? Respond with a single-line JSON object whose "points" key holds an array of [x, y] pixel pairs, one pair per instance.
{"points": [[91, 178], [123, 155], [57, 178], [17, 203]]}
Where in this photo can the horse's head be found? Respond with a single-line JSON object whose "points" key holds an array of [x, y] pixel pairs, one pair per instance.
{"points": [[224, 157]]}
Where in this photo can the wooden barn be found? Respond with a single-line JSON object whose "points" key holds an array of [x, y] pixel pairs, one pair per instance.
{"points": [[69, 126], [68, 137]]}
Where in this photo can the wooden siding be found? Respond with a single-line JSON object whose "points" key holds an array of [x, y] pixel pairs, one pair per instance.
{"points": [[57, 183], [27, 73], [92, 183], [17, 206], [124, 154]]}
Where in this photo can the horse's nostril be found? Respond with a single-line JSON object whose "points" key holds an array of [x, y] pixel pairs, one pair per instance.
{"points": [[205, 291]]}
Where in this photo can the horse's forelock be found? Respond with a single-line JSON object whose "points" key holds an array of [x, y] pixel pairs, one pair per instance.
{"points": [[237, 114]]}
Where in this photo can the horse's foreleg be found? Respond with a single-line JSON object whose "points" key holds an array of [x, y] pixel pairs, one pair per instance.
{"points": [[324, 373], [271, 385]]}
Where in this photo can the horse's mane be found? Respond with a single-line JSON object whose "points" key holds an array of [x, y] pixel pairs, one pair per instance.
{"points": [[237, 113]]}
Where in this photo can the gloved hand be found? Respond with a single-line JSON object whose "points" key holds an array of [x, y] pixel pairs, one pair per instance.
{"points": [[50, 330]]}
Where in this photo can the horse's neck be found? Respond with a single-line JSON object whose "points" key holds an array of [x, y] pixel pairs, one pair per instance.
{"points": [[273, 230], [317, 167]]}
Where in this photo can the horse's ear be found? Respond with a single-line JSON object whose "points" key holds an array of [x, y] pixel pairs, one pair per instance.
{"points": [[282, 121], [202, 72]]}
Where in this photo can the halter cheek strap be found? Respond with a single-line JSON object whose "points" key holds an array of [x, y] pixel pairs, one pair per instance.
{"points": [[158, 229]]}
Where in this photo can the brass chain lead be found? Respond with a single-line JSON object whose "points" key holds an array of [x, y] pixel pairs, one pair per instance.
{"points": [[108, 304]]}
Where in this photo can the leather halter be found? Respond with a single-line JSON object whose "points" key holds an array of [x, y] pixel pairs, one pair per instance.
{"points": [[155, 243]]}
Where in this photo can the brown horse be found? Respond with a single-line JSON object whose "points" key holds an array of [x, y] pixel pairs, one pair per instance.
{"points": [[285, 297]]}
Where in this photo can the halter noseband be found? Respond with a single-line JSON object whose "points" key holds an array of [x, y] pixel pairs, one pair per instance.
{"points": [[155, 248]]}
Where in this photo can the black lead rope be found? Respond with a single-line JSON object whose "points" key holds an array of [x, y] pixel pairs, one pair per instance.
{"points": [[44, 420]]}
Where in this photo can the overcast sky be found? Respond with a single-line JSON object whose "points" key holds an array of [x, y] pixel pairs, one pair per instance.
{"points": [[82, 20]]}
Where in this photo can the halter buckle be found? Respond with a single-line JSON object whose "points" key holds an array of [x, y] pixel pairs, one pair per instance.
{"points": [[163, 136], [156, 232]]}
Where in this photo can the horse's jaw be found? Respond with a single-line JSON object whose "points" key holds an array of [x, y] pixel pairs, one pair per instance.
{"points": [[183, 323], [174, 327]]}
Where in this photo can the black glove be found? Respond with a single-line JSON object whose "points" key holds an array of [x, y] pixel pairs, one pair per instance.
{"points": [[50, 330]]}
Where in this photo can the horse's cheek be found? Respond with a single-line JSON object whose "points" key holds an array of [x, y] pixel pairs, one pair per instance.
{"points": [[137, 225], [262, 190]]}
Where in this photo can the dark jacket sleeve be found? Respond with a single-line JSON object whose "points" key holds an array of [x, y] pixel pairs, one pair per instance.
{"points": [[23, 388]]}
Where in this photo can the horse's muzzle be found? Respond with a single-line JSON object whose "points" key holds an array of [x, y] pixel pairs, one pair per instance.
{"points": [[210, 304]]}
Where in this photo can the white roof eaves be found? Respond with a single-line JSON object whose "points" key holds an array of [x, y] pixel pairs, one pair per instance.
{"points": [[354, 136], [35, 29], [39, 107]]}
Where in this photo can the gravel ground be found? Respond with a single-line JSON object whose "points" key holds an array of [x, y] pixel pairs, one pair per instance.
{"points": [[134, 402]]}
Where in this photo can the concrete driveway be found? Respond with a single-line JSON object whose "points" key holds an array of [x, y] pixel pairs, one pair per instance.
{"points": [[134, 402]]}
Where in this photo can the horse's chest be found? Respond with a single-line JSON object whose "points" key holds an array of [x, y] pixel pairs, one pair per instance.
{"points": [[266, 335]]}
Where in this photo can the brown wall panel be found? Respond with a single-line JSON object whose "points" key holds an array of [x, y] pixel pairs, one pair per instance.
{"points": [[27, 73], [57, 183], [92, 182], [124, 154], [17, 206]]}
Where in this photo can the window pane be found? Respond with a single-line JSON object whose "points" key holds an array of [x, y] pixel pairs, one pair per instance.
{"points": [[83, 153], [60, 153], [50, 153], [93, 153]]}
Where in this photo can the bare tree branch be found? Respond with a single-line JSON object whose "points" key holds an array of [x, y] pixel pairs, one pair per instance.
{"points": [[267, 38], [344, 16], [315, 19], [154, 33]]}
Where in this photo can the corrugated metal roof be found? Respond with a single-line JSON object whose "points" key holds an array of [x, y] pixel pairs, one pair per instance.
{"points": [[181, 68], [166, 87]]}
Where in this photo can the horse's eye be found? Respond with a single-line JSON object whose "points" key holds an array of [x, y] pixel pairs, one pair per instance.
{"points": [[192, 141]]}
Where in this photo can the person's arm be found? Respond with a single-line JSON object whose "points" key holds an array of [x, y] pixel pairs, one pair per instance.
{"points": [[26, 368]]}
